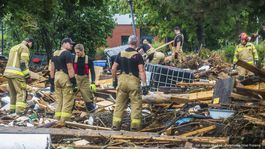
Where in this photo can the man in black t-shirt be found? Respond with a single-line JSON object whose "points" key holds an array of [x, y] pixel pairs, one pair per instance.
{"points": [[63, 76], [132, 70], [177, 54], [261, 33]]}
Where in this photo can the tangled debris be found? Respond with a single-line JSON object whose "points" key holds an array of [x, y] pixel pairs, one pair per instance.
{"points": [[224, 112]]}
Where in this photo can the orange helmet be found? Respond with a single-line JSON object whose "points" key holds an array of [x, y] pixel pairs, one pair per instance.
{"points": [[243, 36]]}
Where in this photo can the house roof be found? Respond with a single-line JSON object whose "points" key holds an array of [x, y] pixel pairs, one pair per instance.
{"points": [[122, 19]]}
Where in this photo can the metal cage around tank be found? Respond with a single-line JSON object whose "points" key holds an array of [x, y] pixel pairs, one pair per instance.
{"points": [[166, 76]]}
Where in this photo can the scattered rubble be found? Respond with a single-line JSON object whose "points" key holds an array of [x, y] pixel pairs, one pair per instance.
{"points": [[213, 110]]}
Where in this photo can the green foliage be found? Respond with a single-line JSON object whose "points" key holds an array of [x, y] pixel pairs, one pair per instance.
{"points": [[86, 21], [260, 48], [204, 53], [100, 53], [228, 52], [211, 23]]}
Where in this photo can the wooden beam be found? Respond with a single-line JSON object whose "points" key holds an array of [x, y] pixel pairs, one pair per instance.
{"points": [[198, 96], [262, 114], [158, 98], [236, 96], [94, 146], [251, 68], [124, 135], [198, 131], [85, 126], [254, 120], [249, 91], [222, 90], [202, 84]]}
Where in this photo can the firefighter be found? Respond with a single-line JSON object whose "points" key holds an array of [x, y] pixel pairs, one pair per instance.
{"points": [[177, 54], [153, 56], [82, 66], [247, 52], [261, 33], [132, 69], [63, 75], [17, 74]]}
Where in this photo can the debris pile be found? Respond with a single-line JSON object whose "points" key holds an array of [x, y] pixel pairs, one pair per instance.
{"points": [[217, 112]]}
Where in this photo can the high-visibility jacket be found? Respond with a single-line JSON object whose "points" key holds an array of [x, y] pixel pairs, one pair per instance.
{"points": [[247, 53], [18, 61]]}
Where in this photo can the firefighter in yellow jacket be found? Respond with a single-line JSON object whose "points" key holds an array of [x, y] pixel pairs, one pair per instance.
{"points": [[247, 52], [131, 64], [63, 76], [17, 73]]}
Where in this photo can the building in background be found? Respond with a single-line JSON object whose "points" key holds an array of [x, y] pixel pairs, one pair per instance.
{"points": [[122, 31]]}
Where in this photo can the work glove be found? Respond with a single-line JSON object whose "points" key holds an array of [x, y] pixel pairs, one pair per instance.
{"points": [[90, 106], [52, 85], [93, 87], [145, 90], [73, 81], [115, 83], [257, 64]]}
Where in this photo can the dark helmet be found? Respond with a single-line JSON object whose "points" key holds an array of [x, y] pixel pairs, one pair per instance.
{"points": [[29, 39]]}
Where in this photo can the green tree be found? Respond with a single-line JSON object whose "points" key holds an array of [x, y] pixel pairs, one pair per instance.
{"points": [[211, 23], [48, 21]]}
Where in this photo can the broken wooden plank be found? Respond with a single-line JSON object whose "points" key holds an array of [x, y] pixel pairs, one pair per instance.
{"points": [[201, 84], [254, 120], [159, 97], [167, 105], [249, 91], [205, 95], [222, 90], [156, 98], [236, 96], [251, 68], [124, 135], [262, 114], [258, 86], [198, 131], [95, 146], [85, 126], [198, 96], [104, 103]]}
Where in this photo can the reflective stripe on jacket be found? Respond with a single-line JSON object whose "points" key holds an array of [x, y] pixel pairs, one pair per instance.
{"points": [[247, 53], [18, 60]]}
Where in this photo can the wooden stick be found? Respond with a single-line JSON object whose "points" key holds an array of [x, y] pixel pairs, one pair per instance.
{"points": [[254, 120], [236, 96], [163, 45], [199, 131], [85, 126], [203, 84]]}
